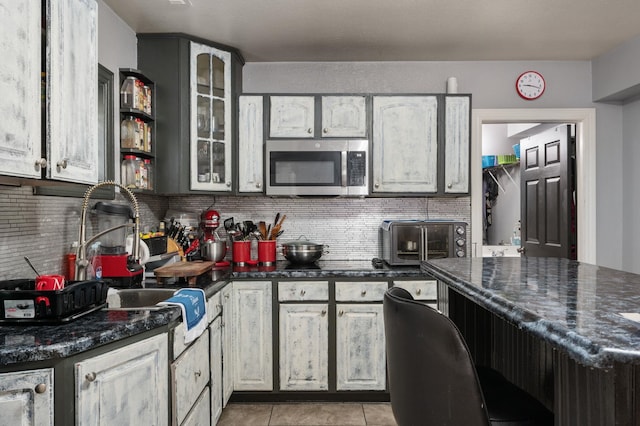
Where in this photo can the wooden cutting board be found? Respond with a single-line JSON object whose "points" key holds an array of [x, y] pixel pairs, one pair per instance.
{"points": [[188, 270]]}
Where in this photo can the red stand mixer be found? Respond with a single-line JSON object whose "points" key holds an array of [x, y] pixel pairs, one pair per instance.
{"points": [[212, 247]]}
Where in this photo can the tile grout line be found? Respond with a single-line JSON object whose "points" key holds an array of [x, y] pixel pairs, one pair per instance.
{"points": [[270, 415]]}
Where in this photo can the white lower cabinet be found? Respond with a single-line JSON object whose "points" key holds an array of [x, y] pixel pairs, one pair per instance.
{"points": [[189, 377], [215, 356], [360, 347], [200, 415], [228, 352], [360, 343], [253, 336], [26, 398], [423, 290], [125, 386], [304, 338]]}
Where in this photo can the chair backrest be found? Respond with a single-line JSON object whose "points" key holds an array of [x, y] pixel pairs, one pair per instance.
{"points": [[432, 378]]}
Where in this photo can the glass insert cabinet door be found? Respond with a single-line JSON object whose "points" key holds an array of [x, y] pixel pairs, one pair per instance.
{"points": [[210, 119]]}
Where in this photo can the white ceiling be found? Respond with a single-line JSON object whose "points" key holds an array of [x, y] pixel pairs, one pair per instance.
{"points": [[395, 30]]}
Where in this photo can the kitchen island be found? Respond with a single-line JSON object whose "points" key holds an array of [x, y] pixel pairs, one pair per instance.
{"points": [[565, 331]]}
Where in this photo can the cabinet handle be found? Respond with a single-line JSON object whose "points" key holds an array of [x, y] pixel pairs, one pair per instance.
{"points": [[341, 313], [91, 377], [309, 130], [62, 164], [324, 312], [363, 293], [418, 291], [42, 163], [41, 388], [302, 292]]}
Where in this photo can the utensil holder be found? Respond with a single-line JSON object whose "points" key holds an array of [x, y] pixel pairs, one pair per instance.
{"points": [[241, 252], [267, 252]]}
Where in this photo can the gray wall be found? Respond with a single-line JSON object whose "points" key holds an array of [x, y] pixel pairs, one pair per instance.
{"points": [[492, 84]]}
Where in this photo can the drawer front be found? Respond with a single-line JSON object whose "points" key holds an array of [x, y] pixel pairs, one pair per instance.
{"points": [[293, 291], [360, 291], [190, 374], [200, 415], [420, 290], [214, 306]]}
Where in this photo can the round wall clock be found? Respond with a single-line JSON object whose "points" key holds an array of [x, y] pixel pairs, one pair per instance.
{"points": [[530, 85]]}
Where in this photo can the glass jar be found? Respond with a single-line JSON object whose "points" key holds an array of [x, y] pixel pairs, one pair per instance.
{"points": [[129, 170], [128, 133], [127, 92], [149, 168]]}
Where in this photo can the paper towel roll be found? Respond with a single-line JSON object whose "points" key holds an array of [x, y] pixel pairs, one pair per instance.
{"points": [[452, 85]]}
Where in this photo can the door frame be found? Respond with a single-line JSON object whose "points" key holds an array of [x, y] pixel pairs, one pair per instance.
{"points": [[585, 121]]}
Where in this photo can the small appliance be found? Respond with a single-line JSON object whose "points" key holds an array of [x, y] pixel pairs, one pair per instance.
{"points": [[327, 167], [409, 242], [112, 260], [209, 222]]}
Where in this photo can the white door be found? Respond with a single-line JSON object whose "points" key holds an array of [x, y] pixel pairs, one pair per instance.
{"points": [[26, 398], [250, 142], [291, 116], [215, 352], [405, 144], [360, 347], [109, 386], [304, 353], [20, 85], [456, 144], [228, 352], [252, 333], [344, 116], [211, 125], [72, 91]]}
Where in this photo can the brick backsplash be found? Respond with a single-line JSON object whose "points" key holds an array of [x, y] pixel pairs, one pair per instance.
{"points": [[43, 227]]}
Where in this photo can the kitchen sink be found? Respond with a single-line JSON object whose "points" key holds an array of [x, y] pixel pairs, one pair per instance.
{"points": [[137, 298]]}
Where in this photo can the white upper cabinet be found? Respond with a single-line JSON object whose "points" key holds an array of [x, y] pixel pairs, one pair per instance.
{"points": [[456, 144], [20, 82], [344, 116], [291, 117], [71, 84], [72, 91], [405, 144], [211, 121], [250, 144]]}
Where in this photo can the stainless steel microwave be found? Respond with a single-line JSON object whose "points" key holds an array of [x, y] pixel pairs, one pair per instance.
{"points": [[408, 242], [317, 167]]}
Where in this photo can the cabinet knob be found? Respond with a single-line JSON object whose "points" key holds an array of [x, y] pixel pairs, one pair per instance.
{"points": [[418, 291], [42, 163], [228, 183], [258, 185], [62, 164], [377, 185], [41, 388], [449, 186], [325, 130], [219, 307], [302, 292], [324, 312], [341, 313], [197, 373], [309, 130], [91, 377], [363, 293]]}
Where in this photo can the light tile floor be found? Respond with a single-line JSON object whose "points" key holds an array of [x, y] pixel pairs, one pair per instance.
{"points": [[308, 414]]}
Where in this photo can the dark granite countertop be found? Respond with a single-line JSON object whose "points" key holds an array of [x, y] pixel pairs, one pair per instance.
{"points": [[574, 306], [30, 343]]}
